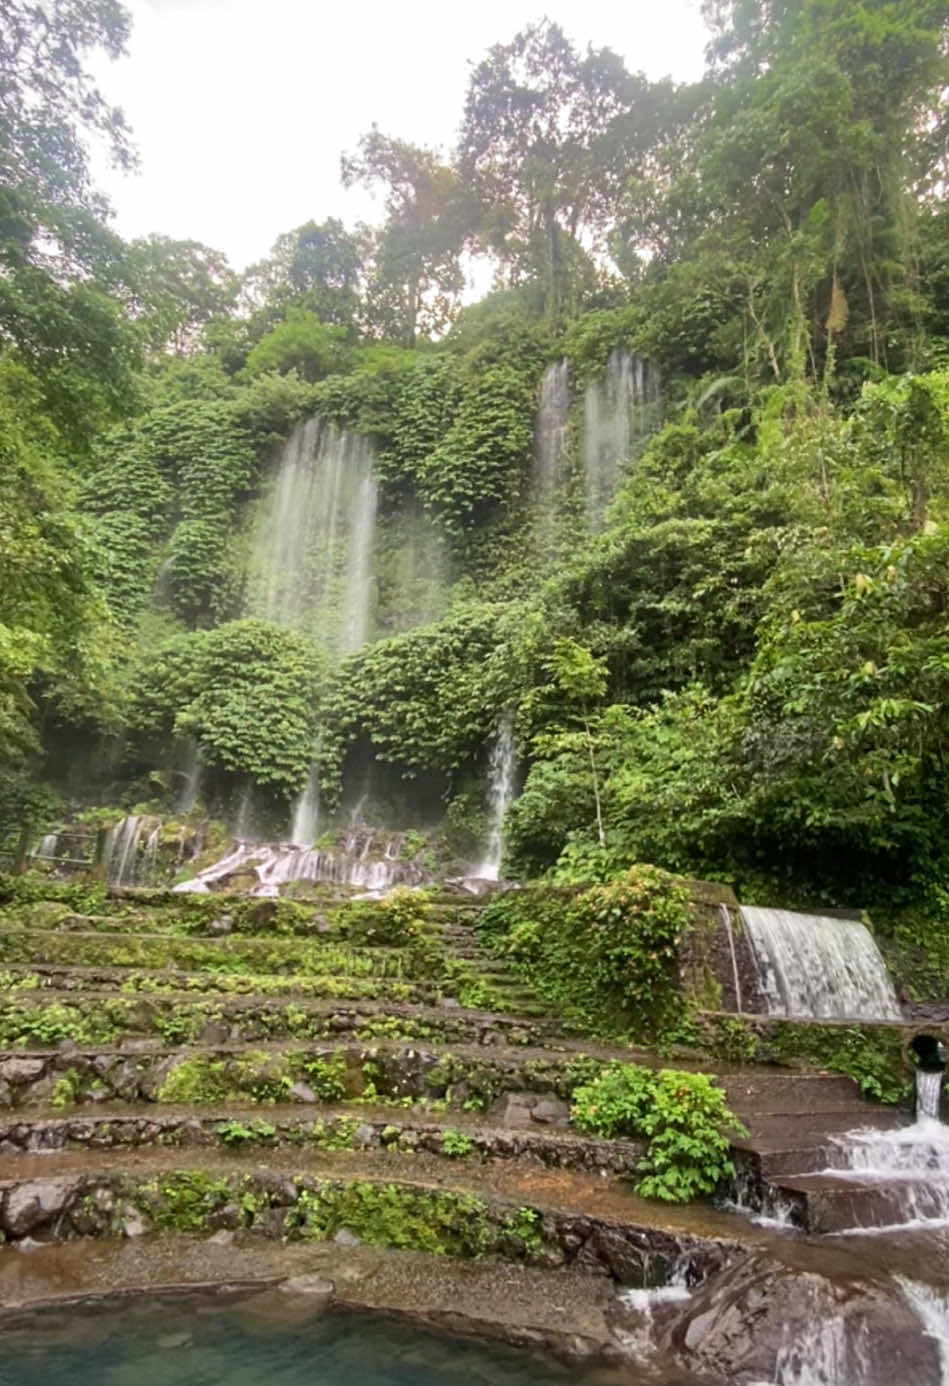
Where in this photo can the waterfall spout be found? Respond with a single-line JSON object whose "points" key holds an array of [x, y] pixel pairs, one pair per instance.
{"points": [[817, 967], [500, 793], [928, 1093]]}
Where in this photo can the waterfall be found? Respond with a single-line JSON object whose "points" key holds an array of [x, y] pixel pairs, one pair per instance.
{"points": [[47, 847], [550, 445], [150, 856], [311, 566], [121, 851], [500, 793], [814, 967], [191, 780], [311, 560], [932, 1308], [306, 813], [618, 412], [821, 1352], [928, 1093]]}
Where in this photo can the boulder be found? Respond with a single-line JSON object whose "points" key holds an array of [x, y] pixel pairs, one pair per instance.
{"points": [[36, 1204]]}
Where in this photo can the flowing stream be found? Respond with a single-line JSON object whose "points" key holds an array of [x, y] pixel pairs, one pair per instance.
{"points": [[814, 967]]}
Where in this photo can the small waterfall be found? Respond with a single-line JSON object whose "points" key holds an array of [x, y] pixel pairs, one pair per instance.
{"points": [[932, 1308], [47, 847], [928, 1093], [500, 793], [902, 1174], [311, 561], [817, 967], [121, 851], [149, 865], [191, 780], [306, 813], [618, 412]]}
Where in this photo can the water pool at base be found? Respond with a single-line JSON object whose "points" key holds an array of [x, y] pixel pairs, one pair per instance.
{"points": [[256, 1343]]}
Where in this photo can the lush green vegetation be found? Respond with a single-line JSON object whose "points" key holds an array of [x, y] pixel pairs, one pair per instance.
{"points": [[682, 1116], [742, 674]]}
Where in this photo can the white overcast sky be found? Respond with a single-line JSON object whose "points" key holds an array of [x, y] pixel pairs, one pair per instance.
{"points": [[240, 108]]}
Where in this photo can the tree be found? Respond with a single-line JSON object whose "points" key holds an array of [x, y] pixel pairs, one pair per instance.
{"points": [[57, 259], [317, 267], [543, 152], [178, 287], [416, 275]]}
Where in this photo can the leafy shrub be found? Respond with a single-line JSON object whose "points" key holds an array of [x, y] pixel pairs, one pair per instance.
{"points": [[682, 1115]]}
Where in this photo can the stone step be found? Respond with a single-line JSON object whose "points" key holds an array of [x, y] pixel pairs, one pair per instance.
{"points": [[785, 1145], [234, 952], [149, 981], [523, 1127], [511, 1210], [759, 1093], [267, 1071], [107, 1015], [834, 1203]]}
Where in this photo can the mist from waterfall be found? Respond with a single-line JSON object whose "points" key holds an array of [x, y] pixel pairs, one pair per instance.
{"points": [[618, 413], [501, 766]]}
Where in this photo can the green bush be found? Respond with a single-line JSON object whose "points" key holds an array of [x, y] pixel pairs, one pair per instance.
{"points": [[683, 1117]]}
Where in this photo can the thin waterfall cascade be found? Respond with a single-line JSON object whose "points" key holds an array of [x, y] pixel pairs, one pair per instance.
{"points": [[906, 1170], [619, 412], [928, 1093], [190, 781], [311, 561], [121, 851], [551, 421], [306, 813], [47, 847], [931, 1305], [501, 771], [367, 860], [814, 967]]}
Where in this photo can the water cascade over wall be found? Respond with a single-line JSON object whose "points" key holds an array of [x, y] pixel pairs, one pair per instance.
{"points": [[501, 767], [815, 967], [619, 411]]}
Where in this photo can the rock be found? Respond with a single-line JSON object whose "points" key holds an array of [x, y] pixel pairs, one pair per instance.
{"points": [[134, 1226], [313, 1286], [35, 1204], [223, 924], [222, 1238], [169, 1341], [365, 1135], [761, 1320], [514, 1109], [17, 1071], [344, 1237], [551, 1110], [302, 1092], [192, 1134], [215, 1032]]}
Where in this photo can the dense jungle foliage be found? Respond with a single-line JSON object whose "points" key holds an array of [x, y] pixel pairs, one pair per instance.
{"points": [[743, 674]]}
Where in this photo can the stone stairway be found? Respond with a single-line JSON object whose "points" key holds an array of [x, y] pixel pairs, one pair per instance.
{"points": [[227, 1070]]}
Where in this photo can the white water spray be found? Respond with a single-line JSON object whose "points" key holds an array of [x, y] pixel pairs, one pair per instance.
{"points": [[817, 967], [500, 793], [932, 1307]]}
